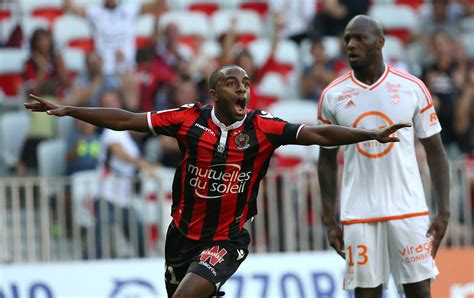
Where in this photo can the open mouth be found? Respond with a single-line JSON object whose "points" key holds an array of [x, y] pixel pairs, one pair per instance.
{"points": [[353, 57], [240, 105]]}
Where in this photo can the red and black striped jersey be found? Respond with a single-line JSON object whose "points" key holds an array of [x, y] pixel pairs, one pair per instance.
{"points": [[215, 186]]}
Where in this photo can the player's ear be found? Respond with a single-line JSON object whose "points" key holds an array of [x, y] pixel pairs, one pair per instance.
{"points": [[380, 42], [213, 95]]}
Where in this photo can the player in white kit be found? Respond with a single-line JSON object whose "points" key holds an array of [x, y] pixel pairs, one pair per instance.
{"points": [[385, 219]]}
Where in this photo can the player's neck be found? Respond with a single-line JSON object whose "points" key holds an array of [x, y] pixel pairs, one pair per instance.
{"points": [[370, 74]]}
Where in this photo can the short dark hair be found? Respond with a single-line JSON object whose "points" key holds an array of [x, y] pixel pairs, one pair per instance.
{"points": [[218, 74]]}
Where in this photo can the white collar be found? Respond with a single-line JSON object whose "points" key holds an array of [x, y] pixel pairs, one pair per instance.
{"points": [[222, 126]]}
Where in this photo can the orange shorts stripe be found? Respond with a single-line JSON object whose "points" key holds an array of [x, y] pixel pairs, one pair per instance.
{"points": [[376, 219]]}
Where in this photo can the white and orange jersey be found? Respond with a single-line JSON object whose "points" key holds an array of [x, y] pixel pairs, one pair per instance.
{"points": [[381, 181]]}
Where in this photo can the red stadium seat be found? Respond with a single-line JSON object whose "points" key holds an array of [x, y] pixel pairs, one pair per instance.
{"points": [[10, 83], [74, 32], [258, 6], [413, 3], [142, 42], [209, 8], [403, 34], [400, 26], [48, 13], [263, 102], [246, 38], [143, 31], [84, 44], [11, 71], [5, 14], [249, 25]]}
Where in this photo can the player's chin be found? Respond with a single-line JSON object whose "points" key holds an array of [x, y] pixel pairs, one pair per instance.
{"points": [[355, 64]]}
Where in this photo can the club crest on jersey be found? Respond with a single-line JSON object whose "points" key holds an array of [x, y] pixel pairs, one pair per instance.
{"points": [[242, 141], [393, 90]]}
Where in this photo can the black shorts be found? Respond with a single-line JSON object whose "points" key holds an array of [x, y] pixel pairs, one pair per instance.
{"points": [[216, 261]]}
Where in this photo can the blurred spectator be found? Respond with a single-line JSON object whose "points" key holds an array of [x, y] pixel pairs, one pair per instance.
{"points": [[119, 159], [44, 75], [294, 15], [317, 76], [335, 15], [157, 76], [242, 57], [442, 16], [82, 148], [183, 92], [464, 114], [44, 72], [113, 26], [90, 85], [439, 75]]}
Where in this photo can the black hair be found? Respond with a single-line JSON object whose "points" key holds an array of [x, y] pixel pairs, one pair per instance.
{"points": [[218, 74], [37, 34]]}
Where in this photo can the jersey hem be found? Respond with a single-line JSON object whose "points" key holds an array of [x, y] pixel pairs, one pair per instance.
{"points": [[377, 219]]}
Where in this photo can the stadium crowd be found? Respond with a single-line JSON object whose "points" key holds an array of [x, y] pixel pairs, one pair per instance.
{"points": [[158, 54]]}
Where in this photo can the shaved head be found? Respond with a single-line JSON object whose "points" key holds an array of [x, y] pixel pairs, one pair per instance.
{"points": [[219, 74], [363, 42], [366, 23]]}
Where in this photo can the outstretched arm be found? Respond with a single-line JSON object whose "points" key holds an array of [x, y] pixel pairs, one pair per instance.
{"points": [[327, 174], [69, 6], [335, 135], [115, 119], [439, 172], [153, 7]]}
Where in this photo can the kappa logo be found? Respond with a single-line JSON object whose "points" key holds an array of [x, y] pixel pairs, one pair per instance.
{"points": [[213, 255], [240, 254]]}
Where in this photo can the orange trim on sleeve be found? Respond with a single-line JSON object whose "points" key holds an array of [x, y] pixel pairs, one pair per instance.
{"points": [[426, 108], [376, 219], [321, 98], [324, 120], [417, 81]]}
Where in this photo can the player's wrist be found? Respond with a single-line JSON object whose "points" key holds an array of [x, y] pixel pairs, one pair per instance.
{"points": [[444, 214], [330, 221]]}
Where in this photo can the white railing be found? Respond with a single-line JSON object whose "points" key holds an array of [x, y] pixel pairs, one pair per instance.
{"points": [[52, 219]]}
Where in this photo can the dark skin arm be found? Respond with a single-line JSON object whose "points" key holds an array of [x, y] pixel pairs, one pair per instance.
{"points": [[327, 174], [439, 172], [115, 119], [335, 135]]}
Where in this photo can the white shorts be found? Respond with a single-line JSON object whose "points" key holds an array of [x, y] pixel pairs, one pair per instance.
{"points": [[400, 247]]}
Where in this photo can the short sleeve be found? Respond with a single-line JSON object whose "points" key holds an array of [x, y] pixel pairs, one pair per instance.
{"points": [[425, 120], [278, 131], [168, 122], [325, 114]]}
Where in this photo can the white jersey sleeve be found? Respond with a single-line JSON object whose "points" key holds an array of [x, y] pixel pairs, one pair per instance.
{"points": [[425, 119]]}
